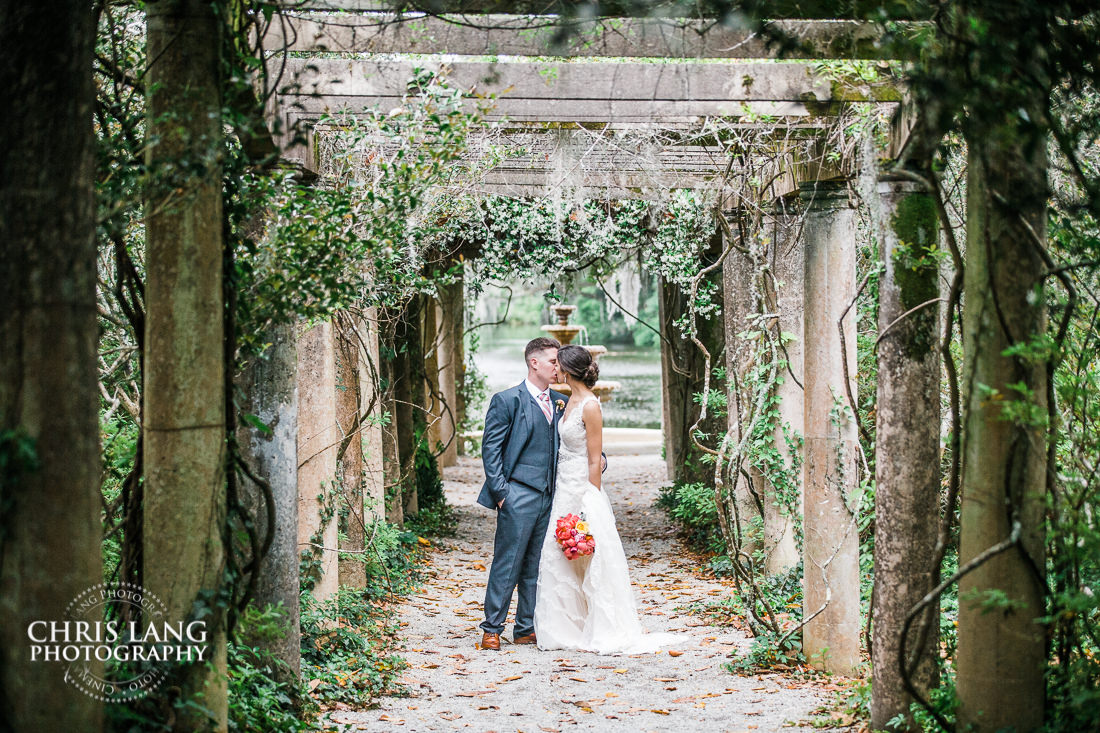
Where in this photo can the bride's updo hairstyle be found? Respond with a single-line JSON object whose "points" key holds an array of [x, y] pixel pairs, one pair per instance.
{"points": [[579, 364]]}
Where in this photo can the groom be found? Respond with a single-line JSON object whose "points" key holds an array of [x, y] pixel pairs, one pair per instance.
{"points": [[520, 451]]}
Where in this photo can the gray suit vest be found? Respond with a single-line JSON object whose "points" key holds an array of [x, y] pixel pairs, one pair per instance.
{"points": [[535, 463]]}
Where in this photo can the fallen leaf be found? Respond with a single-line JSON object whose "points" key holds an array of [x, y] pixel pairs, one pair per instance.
{"points": [[661, 712], [674, 653], [450, 716]]}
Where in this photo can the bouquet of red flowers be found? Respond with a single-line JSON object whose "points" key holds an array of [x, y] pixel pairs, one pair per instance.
{"points": [[572, 535]]}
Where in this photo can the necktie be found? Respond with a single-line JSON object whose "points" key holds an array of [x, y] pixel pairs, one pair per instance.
{"points": [[544, 403]]}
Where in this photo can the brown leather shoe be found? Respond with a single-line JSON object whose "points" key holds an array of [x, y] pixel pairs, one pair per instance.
{"points": [[529, 639], [490, 641]]}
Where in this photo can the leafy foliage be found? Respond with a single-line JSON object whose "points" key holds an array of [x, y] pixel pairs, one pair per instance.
{"points": [[692, 508]]}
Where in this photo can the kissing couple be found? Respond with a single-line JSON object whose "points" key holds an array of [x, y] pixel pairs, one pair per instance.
{"points": [[542, 453]]}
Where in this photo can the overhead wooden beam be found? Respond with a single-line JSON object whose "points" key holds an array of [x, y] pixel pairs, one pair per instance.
{"points": [[773, 9], [516, 35]]}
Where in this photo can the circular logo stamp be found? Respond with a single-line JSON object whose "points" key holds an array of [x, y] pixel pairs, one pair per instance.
{"points": [[117, 642]]}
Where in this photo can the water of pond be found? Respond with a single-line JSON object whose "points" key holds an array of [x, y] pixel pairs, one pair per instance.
{"points": [[637, 404]]}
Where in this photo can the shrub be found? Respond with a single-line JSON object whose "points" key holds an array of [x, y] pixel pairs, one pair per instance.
{"points": [[691, 507], [264, 693]]}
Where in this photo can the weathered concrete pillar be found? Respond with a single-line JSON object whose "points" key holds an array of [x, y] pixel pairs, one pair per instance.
{"points": [[184, 441], [450, 321], [682, 373], [372, 404], [409, 397], [51, 533], [1002, 661], [349, 454], [907, 440], [388, 370], [269, 386], [766, 278], [784, 487], [741, 308], [831, 551], [318, 440], [435, 415]]}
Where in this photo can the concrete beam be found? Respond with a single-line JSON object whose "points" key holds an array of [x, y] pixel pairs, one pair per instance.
{"points": [[689, 89], [521, 35], [795, 9]]}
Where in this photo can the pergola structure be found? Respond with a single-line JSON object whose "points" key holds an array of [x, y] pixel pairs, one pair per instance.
{"points": [[622, 107]]}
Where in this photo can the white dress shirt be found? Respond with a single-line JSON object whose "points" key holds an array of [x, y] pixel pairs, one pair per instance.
{"points": [[536, 393]]}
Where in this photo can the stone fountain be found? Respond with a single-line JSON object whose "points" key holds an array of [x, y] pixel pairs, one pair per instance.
{"points": [[565, 333]]}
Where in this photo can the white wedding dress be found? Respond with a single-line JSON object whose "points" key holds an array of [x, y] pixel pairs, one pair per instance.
{"points": [[587, 603]]}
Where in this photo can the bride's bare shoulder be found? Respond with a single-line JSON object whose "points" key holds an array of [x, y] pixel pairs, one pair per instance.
{"points": [[592, 412]]}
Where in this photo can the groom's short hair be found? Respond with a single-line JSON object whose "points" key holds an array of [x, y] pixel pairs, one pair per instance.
{"points": [[538, 344]]}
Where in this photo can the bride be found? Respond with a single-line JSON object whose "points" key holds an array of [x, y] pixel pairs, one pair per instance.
{"points": [[586, 603]]}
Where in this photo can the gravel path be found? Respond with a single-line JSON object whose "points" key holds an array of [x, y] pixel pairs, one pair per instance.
{"points": [[454, 686]]}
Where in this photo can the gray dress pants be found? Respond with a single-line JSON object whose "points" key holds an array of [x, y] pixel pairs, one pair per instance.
{"points": [[521, 529]]}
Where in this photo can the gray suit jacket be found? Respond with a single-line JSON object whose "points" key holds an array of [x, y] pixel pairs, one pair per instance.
{"points": [[508, 426]]}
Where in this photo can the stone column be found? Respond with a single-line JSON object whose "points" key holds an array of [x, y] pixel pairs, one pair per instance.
{"points": [[350, 451], [433, 388], [831, 551], [372, 403], [318, 440], [449, 356], [270, 393], [408, 395], [184, 395], [907, 439], [768, 279], [784, 505], [682, 372], [1002, 662], [740, 310]]}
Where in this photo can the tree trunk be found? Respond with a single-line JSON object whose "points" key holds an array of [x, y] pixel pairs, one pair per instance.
{"points": [[49, 504], [831, 550], [1002, 652], [907, 439], [269, 389], [184, 390]]}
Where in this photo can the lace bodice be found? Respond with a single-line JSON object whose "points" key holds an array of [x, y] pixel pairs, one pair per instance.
{"points": [[573, 453]]}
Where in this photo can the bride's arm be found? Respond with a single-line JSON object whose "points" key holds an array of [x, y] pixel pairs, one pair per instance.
{"points": [[593, 429]]}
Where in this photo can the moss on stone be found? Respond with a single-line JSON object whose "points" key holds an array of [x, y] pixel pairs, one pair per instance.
{"points": [[916, 268]]}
